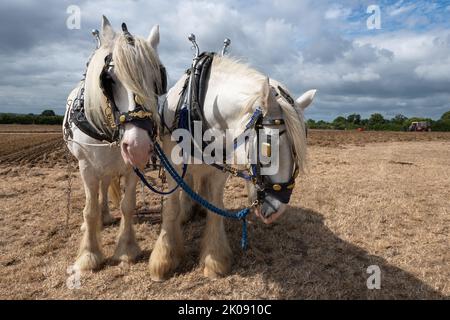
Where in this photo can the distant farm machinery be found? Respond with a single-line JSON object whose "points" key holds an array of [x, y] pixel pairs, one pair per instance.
{"points": [[420, 126]]}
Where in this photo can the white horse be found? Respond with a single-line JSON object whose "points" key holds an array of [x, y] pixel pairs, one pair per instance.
{"points": [[133, 70], [234, 92]]}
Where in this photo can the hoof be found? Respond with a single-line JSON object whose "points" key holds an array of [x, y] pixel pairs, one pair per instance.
{"points": [[128, 255], [161, 269], [215, 269], [211, 274], [89, 261], [155, 278]]}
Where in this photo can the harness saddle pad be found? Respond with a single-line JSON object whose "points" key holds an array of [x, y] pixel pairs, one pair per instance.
{"points": [[198, 89]]}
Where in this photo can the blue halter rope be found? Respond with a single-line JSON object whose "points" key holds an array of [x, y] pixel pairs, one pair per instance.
{"points": [[152, 188], [182, 123], [240, 215]]}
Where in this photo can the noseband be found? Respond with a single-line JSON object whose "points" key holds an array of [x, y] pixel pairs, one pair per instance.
{"points": [[139, 116]]}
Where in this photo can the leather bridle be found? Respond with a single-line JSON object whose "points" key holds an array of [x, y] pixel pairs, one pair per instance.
{"points": [[281, 191], [262, 183], [139, 116]]}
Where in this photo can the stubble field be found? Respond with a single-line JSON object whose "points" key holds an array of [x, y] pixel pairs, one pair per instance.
{"points": [[368, 198]]}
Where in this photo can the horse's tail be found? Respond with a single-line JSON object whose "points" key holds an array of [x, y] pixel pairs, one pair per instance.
{"points": [[114, 193]]}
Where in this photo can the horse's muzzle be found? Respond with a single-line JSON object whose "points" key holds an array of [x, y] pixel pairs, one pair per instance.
{"points": [[136, 146], [270, 209]]}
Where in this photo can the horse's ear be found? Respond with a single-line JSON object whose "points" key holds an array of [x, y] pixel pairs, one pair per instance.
{"points": [[107, 34], [267, 96], [153, 38], [305, 99]]}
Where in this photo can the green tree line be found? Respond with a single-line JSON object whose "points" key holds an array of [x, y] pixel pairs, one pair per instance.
{"points": [[46, 117], [353, 121], [378, 123]]}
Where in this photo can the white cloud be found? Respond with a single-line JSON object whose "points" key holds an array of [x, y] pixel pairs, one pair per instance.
{"points": [[365, 75], [434, 72], [337, 12], [304, 44], [397, 10]]}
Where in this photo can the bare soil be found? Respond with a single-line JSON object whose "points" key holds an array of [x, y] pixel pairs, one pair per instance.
{"points": [[367, 199]]}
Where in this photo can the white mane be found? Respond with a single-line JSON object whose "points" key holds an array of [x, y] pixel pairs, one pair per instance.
{"points": [[295, 127], [137, 68]]}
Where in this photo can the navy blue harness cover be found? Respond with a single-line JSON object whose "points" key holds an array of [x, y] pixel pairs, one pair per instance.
{"points": [[198, 90]]}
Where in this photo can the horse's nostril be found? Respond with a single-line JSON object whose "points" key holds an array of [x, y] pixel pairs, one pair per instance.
{"points": [[268, 208], [126, 150]]}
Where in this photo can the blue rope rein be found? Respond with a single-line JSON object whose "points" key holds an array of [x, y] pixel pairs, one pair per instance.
{"points": [[240, 215], [182, 123]]}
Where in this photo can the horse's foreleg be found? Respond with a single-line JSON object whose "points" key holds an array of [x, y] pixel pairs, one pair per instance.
{"points": [[187, 205], [127, 249], [107, 219], [90, 256], [216, 252], [168, 249]]}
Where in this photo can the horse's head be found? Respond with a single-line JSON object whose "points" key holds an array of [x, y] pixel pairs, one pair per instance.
{"points": [[283, 121], [125, 77]]}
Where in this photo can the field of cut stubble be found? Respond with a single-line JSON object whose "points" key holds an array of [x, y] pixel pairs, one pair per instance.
{"points": [[368, 198]]}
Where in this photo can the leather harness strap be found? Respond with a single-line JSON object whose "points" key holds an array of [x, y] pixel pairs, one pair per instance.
{"points": [[195, 87], [139, 117]]}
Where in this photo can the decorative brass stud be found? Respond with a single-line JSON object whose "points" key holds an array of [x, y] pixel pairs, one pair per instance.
{"points": [[266, 149], [276, 187], [141, 114], [122, 118], [277, 122]]}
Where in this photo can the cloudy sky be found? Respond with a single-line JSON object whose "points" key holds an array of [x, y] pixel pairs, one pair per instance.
{"points": [[403, 67]]}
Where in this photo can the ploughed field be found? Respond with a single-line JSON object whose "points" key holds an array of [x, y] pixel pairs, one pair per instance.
{"points": [[368, 198]]}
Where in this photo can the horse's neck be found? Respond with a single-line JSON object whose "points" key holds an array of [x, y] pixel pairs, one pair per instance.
{"points": [[226, 98]]}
